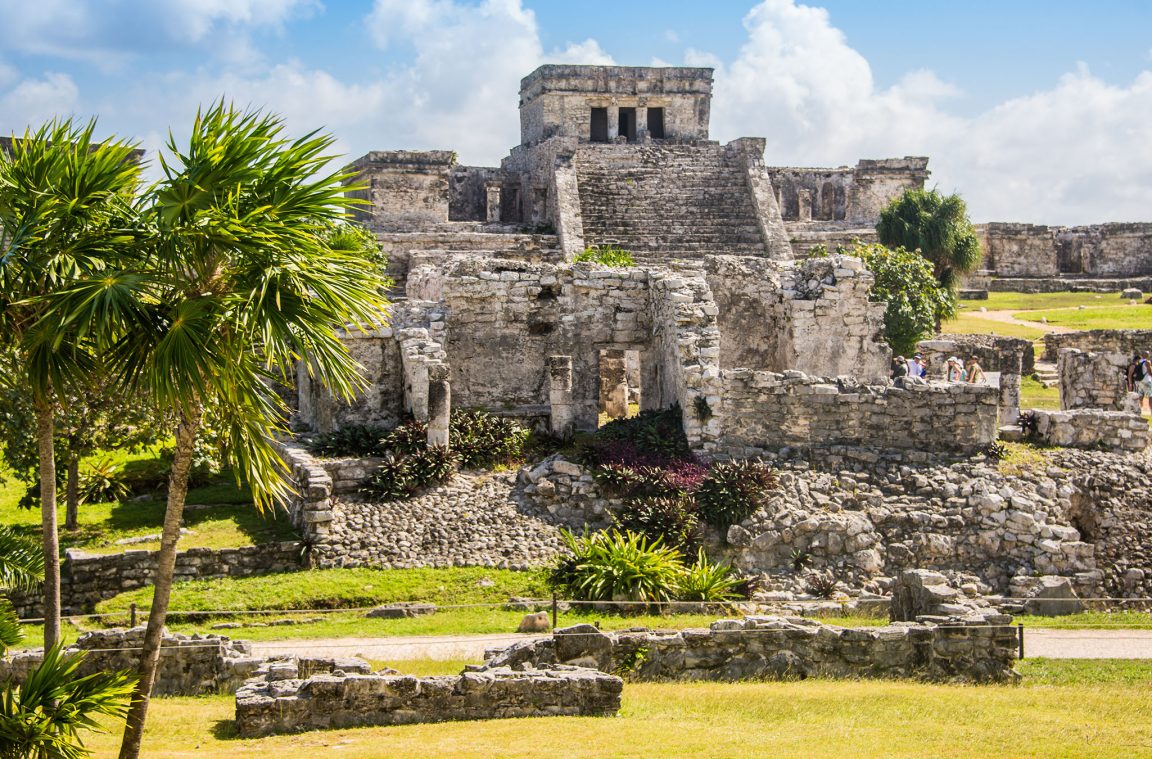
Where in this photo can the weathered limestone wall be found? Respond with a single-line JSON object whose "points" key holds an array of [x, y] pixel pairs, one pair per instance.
{"points": [[1067, 283], [775, 318], [1008, 355], [1124, 341], [458, 238], [87, 579], [197, 665], [1093, 429], [781, 648], [764, 411], [280, 703], [468, 194], [846, 194], [1094, 381], [1102, 250], [556, 100], [405, 189]]}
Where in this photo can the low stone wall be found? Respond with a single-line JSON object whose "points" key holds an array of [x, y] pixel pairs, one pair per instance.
{"points": [[1123, 341], [86, 579], [310, 507], [1094, 381], [1089, 428], [1067, 284], [281, 702], [756, 648], [1007, 355], [764, 411], [194, 665]]}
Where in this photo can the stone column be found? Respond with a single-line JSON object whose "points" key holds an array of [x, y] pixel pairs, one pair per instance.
{"points": [[563, 413], [492, 191], [439, 405], [613, 122], [805, 201], [613, 384], [641, 123], [1009, 399]]}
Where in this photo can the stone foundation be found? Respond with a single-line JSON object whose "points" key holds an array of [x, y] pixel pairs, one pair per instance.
{"points": [[1123, 341], [1089, 428], [780, 648], [280, 702], [196, 665], [1095, 381]]}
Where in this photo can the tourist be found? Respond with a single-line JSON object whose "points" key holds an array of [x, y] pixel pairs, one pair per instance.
{"points": [[1136, 372], [954, 370], [975, 373], [899, 367], [916, 366], [1144, 383]]}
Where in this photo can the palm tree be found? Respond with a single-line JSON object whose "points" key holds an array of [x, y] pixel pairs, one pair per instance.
{"points": [[241, 285], [937, 226], [43, 716], [64, 201]]}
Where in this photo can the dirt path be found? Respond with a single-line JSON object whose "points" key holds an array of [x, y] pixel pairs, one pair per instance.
{"points": [[1054, 644], [1006, 317]]}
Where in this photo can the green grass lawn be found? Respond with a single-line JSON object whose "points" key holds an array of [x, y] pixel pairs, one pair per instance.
{"points": [[1103, 317], [232, 520], [968, 324], [1011, 301], [1062, 709], [1035, 395]]}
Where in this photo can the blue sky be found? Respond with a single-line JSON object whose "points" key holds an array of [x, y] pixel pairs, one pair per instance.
{"points": [[1035, 111]]}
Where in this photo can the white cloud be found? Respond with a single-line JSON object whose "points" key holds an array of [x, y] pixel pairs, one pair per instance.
{"points": [[33, 101], [1076, 153], [110, 34]]}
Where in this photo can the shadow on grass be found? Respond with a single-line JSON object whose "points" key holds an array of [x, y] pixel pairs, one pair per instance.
{"points": [[225, 730]]}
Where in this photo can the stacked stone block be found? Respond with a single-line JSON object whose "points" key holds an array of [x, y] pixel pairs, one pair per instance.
{"points": [[1118, 431], [1094, 381]]}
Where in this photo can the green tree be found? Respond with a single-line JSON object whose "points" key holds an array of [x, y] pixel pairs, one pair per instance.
{"points": [[906, 282], [43, 715], [241, 285], [65, 208], [936, 225]]}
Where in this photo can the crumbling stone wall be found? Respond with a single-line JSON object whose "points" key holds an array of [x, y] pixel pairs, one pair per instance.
{"points": [[196, 665], [280, 703], [1103, 250], [1123, 341], [405, 189], [846, 194], [780, 648], [765, 411], [1094, 381], [1094, 429], [87, 579], [1007, 355]]}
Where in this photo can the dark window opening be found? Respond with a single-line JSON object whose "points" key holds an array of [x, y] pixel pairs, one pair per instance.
{"points": [[656, 123], [628, 123], [599, 129]]}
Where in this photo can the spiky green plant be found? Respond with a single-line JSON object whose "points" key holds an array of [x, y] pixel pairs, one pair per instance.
{"points": [[618, 566], [43, 716], [705, 581]]}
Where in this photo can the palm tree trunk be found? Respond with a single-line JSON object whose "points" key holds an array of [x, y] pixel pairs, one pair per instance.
{"points": [[186, 433], [45, 434], [72, 494]]}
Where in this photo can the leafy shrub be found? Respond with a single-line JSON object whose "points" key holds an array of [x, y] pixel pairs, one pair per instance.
{"points": [[352, 440], [606, 255], [1029, 424], [656, 433], [400, 477], [103, 481], [705, 581], [616, 566], [409, 438], [996, 451], [672, 519], [733, 491], [485, 440]]}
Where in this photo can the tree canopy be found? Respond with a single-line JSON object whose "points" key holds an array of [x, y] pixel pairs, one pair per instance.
{"points": [[937, 226]]}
